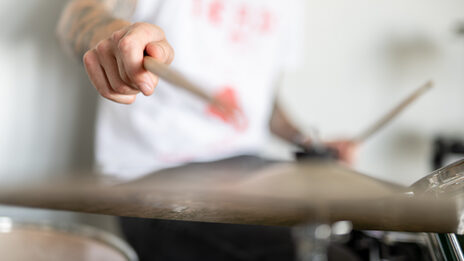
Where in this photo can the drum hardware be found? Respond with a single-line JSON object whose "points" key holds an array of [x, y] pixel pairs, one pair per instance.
{"points": [[317, 153], [312, 240], [449, 248], [317, 150], [445, 147], [446, 182], [448, 179], [381, 245], [249, 190], [455, 246], [452, 187], [434, 247], [341, 231]]}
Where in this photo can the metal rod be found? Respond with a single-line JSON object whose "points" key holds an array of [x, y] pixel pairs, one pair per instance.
{"points": [[435, 248], [455, 246], [312, 241]]}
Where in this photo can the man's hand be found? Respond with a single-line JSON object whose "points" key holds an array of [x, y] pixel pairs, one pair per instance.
{"points": [[115, 64], [346, 149]]}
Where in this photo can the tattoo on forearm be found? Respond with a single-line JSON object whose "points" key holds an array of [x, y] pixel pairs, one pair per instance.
{"points": [[82, 19], [120, 8], [88, 34]]}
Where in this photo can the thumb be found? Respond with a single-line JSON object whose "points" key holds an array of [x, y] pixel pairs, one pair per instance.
{"points": [[161, 51]]}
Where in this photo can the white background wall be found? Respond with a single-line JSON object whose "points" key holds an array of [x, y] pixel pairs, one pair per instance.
{"points": [[362, 57], [47, 106]]}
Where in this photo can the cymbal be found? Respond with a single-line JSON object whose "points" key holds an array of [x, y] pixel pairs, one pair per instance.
{"points": [[249, 190]]}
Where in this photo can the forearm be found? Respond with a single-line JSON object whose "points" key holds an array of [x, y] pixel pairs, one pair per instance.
{"points": [[281, 126], [84, 23]]}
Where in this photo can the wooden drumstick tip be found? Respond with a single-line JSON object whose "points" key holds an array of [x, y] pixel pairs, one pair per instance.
{"points": [[389, 116], [428, 85]]}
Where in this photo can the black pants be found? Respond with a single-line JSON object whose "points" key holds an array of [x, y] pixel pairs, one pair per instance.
{"points": [[155, 239]]}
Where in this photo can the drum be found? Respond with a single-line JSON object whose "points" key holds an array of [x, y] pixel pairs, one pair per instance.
{"points": [[21, 241]]}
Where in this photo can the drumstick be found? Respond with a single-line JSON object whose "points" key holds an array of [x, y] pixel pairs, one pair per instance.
{"points": [[178, 79], [172, 76], [393, 113]]}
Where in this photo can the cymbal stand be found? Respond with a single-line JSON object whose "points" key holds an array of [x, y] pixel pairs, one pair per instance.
{"points": [[312, 240]]}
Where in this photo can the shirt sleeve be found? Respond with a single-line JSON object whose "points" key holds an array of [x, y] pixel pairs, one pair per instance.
{"points": [[294, 36]]}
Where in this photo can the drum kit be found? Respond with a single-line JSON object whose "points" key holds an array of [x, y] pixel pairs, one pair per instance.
{"points": [[250, 190], [314, 195]]}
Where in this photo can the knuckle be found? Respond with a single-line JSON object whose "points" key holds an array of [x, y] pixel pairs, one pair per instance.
{"points": [[143, 25], [116, 36], [126, 44], [150, 29], [131, 77], [102, 46], [159, 31], [122, 89], [88, 58], [117, 88], [125, 78], [139, 24], [134, 76]]}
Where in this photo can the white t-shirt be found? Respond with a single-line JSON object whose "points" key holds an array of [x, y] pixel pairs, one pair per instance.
{"points": [[236, 49]]}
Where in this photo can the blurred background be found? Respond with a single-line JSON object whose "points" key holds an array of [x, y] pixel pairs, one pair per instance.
{"points": [[362, 57]]}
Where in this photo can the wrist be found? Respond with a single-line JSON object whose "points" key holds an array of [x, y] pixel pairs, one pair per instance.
{"points": [[105, 30], [301, 140]]}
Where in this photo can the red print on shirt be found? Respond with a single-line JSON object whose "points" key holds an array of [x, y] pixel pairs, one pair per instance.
{"points": [[267, 21], [247, 20], [242, 17], [216, 8], [227, 96]]}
